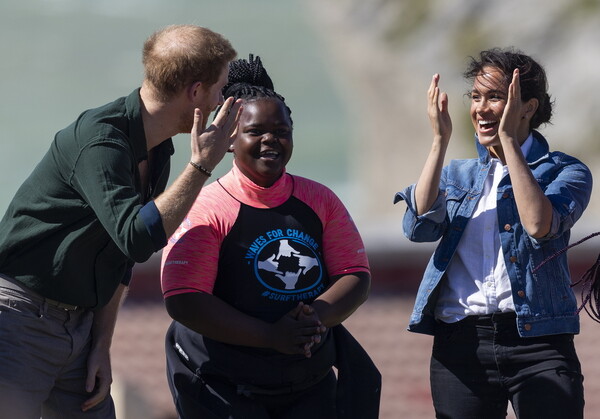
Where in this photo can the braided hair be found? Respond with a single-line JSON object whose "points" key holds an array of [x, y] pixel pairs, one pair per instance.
{"points": [[248, 80], [589, 281]]}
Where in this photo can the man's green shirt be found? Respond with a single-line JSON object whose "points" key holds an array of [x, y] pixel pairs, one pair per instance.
{"points": [[79, 222]]}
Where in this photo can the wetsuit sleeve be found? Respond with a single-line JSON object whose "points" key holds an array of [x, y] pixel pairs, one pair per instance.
{"points": [[342, 244], [191, 258], [343, 248]]}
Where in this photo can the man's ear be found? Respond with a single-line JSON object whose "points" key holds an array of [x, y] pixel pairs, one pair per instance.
{"points": [[194, 90]]}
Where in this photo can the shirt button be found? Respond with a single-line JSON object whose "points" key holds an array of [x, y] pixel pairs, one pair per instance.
{"points": [[513, 259], [506, 227], [521, 293], [505, 195], [527, 327]]}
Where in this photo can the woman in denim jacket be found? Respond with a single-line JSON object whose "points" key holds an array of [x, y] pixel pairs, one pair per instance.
{"points": [[501, 331]]}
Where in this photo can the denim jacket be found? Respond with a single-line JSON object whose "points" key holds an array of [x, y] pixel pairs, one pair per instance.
{"points": [[544, 301]]}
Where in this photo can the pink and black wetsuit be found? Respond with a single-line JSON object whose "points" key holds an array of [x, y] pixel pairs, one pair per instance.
{"points": [[261, 250]]}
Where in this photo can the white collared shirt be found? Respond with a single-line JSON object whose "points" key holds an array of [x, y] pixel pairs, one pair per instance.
{"points": [[477, 279]]}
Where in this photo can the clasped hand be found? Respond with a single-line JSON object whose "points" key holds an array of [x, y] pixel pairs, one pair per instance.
{"points": [[298, 331]]}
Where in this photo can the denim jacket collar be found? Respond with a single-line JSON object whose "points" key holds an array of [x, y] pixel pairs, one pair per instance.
{"points": [[539, 150]]}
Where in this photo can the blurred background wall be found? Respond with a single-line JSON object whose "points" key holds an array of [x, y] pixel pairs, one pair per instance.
{"points": [[355, 75]]}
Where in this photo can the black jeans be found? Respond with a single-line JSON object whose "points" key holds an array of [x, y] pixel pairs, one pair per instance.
{"points": [[481, 363]]}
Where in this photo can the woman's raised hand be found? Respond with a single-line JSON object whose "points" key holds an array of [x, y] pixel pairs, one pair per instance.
{"points": [[437, 109], [511, 118]]}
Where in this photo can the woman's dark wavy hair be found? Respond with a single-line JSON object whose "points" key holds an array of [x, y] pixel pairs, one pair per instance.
{"points": [[532, 78], [248, 80]]}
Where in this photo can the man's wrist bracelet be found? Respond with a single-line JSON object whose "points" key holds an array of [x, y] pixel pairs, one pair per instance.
{"points": [[201, 169]]}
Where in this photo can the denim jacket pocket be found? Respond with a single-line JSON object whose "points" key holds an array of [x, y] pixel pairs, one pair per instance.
{"points": [[454, 197]]}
